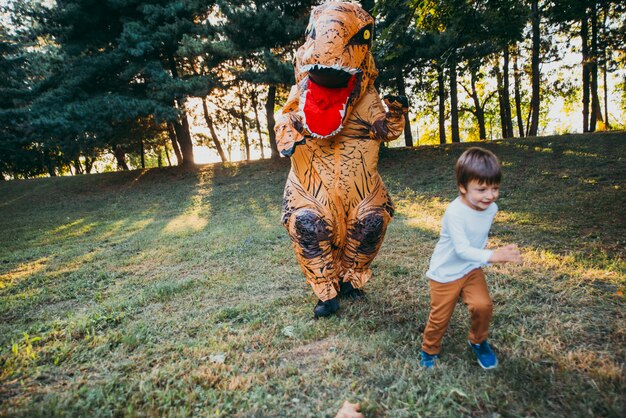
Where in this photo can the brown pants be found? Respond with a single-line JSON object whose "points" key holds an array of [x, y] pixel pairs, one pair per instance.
{"points": [[443, 297]]}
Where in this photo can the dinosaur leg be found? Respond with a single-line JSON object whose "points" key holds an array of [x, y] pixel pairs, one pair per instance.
{"points": [[366, 230], [311, 235]]}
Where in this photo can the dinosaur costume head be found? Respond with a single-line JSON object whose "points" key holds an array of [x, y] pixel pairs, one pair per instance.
{"points": [[334, 66]]}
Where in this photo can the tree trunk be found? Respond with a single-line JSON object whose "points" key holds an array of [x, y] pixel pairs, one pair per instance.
{"points": [[441, 92], [181, 126], [159, 157], [229, 144], [143, 154], [89, 164], [454, 104], [209, 122], [480, 113], [78, 168], [408, 135], [518, 95], [167, 155], [48, 163], [500, 89], [253, 97], [184, 140], [246, 141], [172, 134], [120, 157], [506, 96], [584, 29], [269, 112], [604, 59], [596, 113], [536, 77]]}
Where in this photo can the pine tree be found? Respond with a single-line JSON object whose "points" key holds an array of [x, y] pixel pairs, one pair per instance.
{"points": [[123, 63], [266, 34], [16, 155]]}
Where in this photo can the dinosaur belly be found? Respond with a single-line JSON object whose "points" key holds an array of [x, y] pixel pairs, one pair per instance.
{"points": [[339, 171]]}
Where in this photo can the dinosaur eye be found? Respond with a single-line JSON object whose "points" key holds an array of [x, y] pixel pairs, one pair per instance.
{"points": [[363, 37]]}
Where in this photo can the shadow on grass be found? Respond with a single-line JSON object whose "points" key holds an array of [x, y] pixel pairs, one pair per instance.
{"points": [[117, 221]]}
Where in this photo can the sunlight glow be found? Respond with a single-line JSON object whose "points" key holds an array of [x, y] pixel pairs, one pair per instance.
{"points": [[205, 155], [185, 224], [427, 222], [22, 271]]}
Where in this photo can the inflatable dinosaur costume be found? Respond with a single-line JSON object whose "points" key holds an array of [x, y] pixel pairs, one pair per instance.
{"points": [[335, 205]]}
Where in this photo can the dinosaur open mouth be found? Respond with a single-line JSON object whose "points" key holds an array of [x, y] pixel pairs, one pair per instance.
{"points": [[326, 98], [329, 77]]}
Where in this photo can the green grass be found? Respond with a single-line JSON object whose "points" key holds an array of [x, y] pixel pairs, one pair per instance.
{"points": [[121, 293]]}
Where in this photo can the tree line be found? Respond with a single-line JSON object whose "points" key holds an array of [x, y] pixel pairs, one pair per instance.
{"points": [[82, 79]]}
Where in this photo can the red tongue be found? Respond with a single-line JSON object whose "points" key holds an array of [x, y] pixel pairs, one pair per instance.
{"points": [[322, 106]]}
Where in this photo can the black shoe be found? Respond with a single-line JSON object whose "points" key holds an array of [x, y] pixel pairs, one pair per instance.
{"points": [[326, 308], [346, 290]]}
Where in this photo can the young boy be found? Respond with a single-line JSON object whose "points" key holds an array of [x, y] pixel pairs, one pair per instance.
{"points": [[455, 267]]}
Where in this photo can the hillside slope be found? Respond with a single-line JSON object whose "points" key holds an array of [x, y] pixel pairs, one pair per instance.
{"points": [[169, 292]]}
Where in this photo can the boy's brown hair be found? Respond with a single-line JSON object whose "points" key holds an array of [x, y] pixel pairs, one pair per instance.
{"points": [[477, 164]]}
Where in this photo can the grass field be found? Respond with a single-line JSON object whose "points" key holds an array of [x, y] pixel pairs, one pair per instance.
{"points": [[172, 293]]}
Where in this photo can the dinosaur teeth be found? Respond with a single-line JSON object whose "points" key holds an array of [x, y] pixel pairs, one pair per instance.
{"points": [[337, 67]]}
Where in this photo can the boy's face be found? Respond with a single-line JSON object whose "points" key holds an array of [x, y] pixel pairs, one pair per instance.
{"points": [[479, 196]]}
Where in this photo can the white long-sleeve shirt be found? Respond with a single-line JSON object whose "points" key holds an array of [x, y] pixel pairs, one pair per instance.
{"points": [[461, 246]]}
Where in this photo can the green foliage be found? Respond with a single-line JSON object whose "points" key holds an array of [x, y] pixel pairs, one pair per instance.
{"points": [[17, 155], [419, 32], [263, 34], [119, 64], [395, 39], [83, 76], [567, 16], [419, 39]]}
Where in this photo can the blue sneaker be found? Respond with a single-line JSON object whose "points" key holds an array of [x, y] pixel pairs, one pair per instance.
{"points": [[428, 361], [485, 355]]}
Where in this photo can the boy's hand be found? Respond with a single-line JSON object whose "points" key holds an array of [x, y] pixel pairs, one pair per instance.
{"points": [[507, 254]]}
